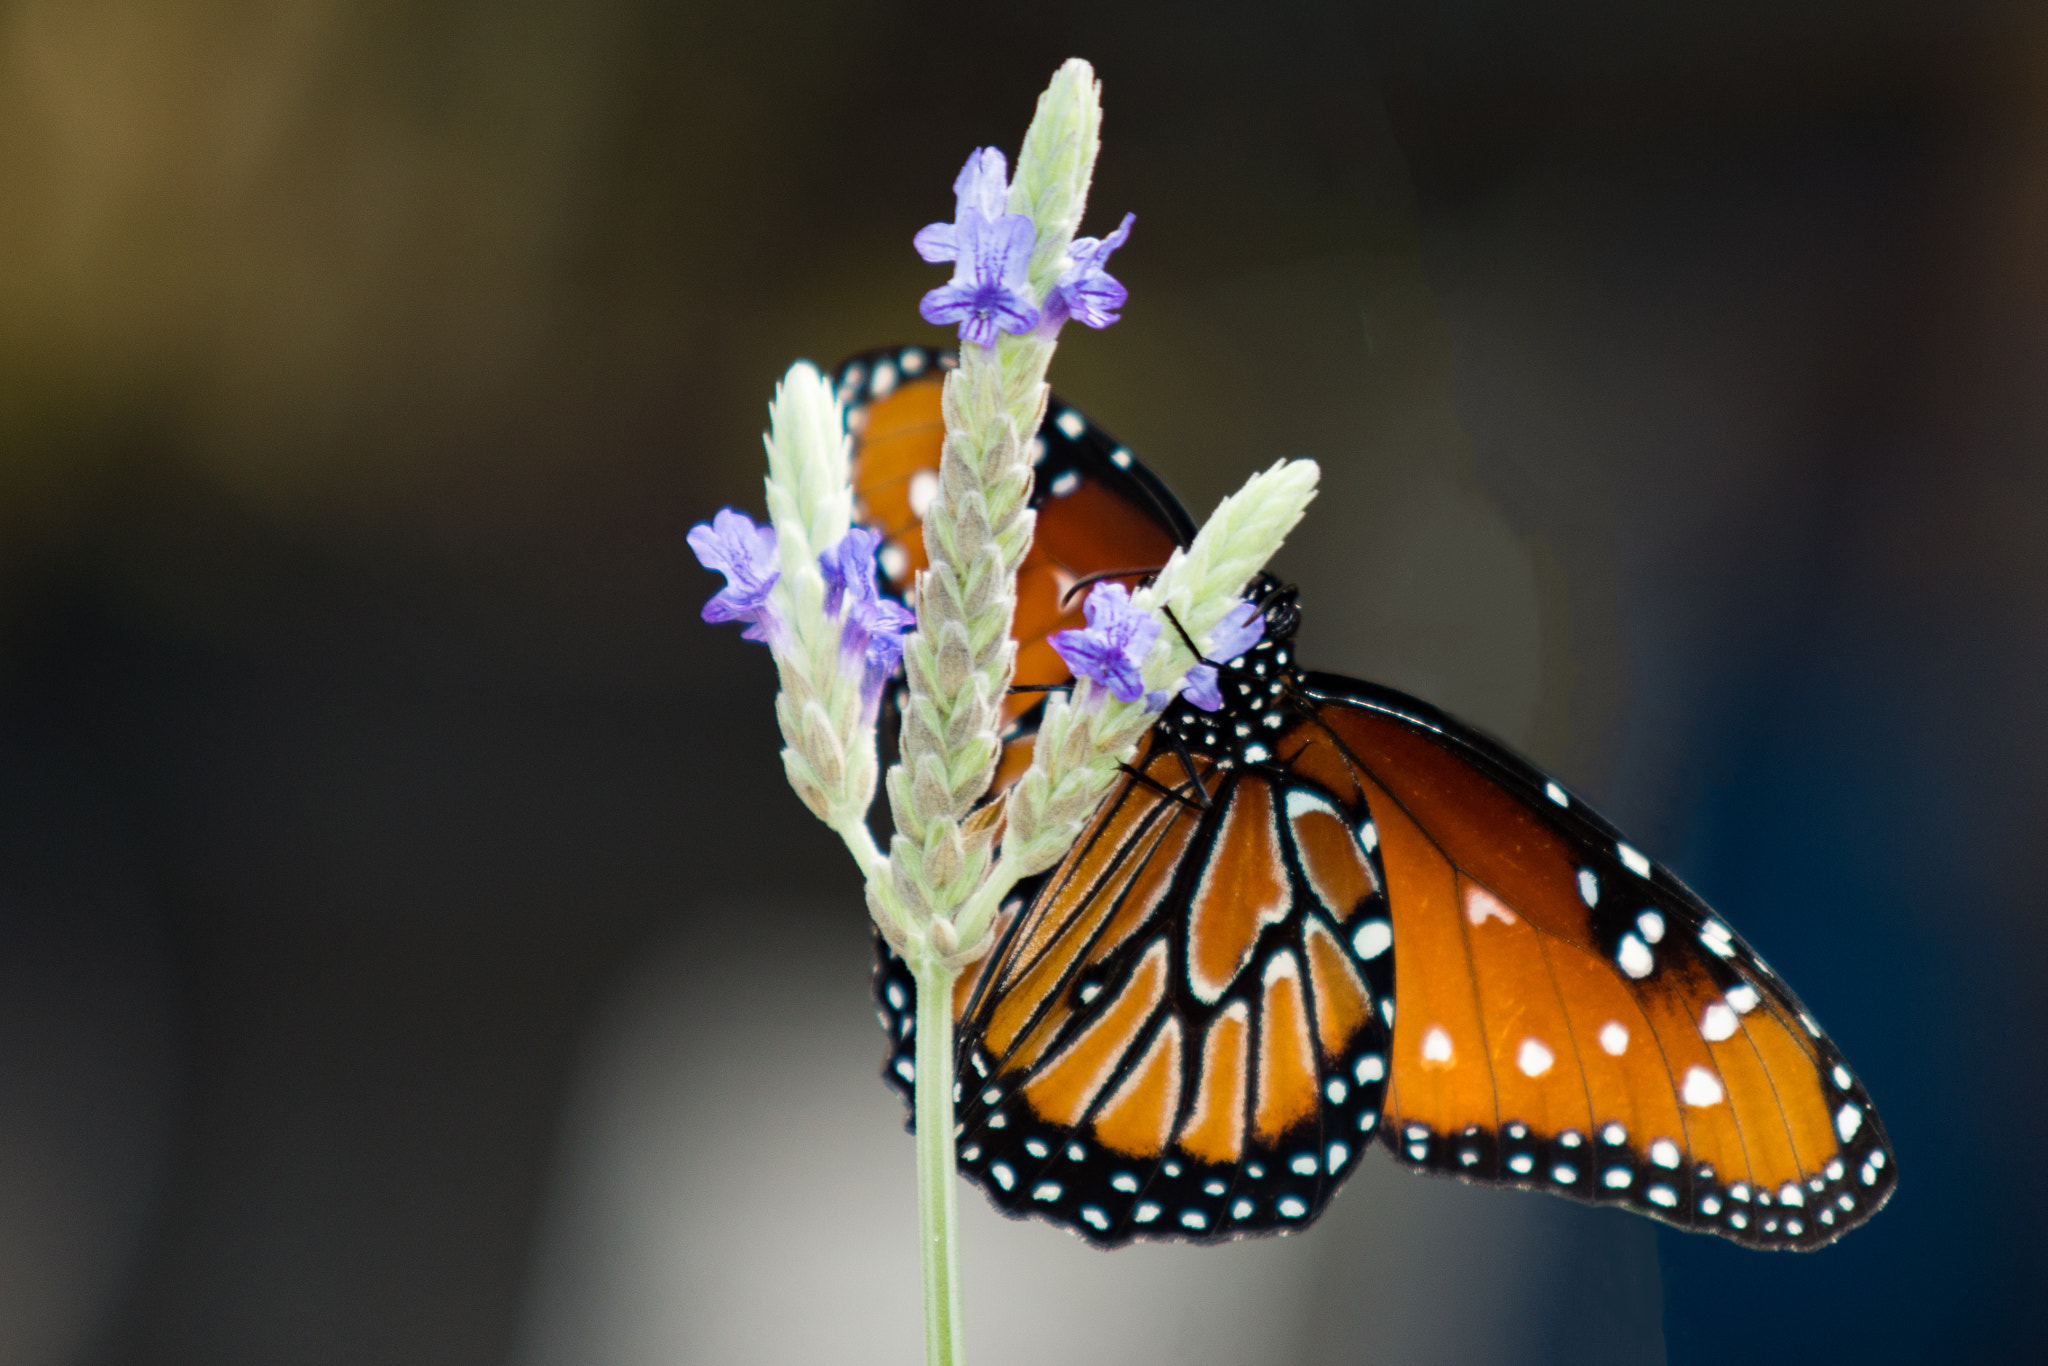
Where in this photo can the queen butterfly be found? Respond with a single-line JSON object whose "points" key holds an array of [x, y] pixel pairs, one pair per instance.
{"points": [[1189, 1027]]}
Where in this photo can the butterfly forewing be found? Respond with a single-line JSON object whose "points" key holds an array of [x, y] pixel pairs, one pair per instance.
{"points": [[1572, 1018]]}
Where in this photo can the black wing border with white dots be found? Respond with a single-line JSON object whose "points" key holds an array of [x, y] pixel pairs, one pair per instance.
{"points": [[1850, 1188]]}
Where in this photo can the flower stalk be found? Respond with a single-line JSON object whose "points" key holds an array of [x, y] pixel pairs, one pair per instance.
{"points": [[806, 586]]}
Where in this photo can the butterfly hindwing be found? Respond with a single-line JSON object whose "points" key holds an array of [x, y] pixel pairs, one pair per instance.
{"points": [[1183, 1035]]}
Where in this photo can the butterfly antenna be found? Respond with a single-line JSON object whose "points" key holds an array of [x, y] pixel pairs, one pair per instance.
{"points": [[1171, 794], [1090, 580], [1187, 763], [1196, 649]]}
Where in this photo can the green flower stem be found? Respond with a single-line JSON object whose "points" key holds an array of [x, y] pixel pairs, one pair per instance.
{"points": [[937, 1189], [958, 665]]}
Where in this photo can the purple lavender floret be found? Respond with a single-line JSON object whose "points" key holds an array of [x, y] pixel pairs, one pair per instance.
{"points": [[990, 249], [1112, 648], [732, 545], [1088, 293], [986, 294], [983, 187], [1241, 628], [872, 626]]}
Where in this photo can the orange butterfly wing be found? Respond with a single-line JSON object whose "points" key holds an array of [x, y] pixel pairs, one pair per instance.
{"points": [[1571, 1017]]}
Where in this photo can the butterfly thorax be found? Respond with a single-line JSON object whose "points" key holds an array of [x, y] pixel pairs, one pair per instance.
{"points": [[1257, 689]]}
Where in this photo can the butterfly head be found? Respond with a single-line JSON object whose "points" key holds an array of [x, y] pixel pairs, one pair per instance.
{"points": [[1279, 603], [1257, 688]]}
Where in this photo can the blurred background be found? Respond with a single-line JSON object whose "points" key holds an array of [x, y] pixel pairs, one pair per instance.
{"points": [[409, 952]]}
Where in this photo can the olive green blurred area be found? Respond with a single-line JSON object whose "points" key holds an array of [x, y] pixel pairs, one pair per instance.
{"points": [[408, 950]]}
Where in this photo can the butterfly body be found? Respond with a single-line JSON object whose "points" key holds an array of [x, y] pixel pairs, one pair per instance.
{"points": [[1193, 1027]]}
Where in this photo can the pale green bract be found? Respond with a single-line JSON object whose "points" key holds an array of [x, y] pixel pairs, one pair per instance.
{"points": [[935, 894]]}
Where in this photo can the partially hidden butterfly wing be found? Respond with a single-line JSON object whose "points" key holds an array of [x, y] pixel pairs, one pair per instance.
{"points": [[1098, 511], [1572, 1018]]}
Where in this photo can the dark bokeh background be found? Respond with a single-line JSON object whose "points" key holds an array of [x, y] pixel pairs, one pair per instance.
{"points": [[393, 870]]}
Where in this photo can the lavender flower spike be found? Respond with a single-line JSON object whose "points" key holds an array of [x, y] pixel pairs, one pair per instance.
{"points": [[1240, 629], [1087, 292], [732, 545], [983, 187], [1112, 650], [872, 626], [986, 294]]}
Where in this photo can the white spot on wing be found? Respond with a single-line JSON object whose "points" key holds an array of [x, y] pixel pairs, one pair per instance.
{"points": [[1121, 458], [924, 491], [1065, 483], [1717, 1023], [1436, 1045], [1556, 794], [1533, 1058], [1665, 1154], [1743, 998], [1702, 1088], [1374, 938], [1614, 1038], [1652, 926], [1634, 956], [1072, 423], [1589, 887], [895, 562], [1635, 862], [1372, 1067], [1482, 905], [1848, 1120], [1302, 802]]}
